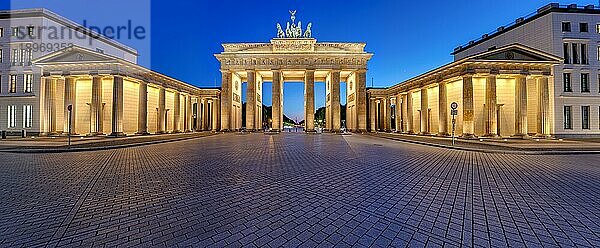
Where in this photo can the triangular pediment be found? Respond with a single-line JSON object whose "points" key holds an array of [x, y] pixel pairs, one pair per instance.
{"points": [[515, 53], [74, 55]]}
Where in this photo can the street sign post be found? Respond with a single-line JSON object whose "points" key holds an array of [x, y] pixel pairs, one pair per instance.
{"points": [[453, 112]]}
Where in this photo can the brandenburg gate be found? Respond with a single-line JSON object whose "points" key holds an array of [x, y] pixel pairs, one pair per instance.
{"points": [[294, 56]]}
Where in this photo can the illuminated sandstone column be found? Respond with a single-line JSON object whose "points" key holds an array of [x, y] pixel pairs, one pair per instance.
{"points": [[207, 117], [404, 109], [251, 101], [162, 111], [521, 106], [335, 101], [468, 108], [543, 121], [188, 124], [491, 121], [215, 115], [309, 100], [70, 99], [398, 113], [277, 111], [373, 114], [443, 109], [388, 114], [143, 109], [50, 104], [96, 106], [199, 114], [117, 107], [409, 113], [226, 101], [361, 99], [176, 112], [424, 111]]}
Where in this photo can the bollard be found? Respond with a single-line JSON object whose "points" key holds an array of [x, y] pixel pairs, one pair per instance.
{"points": [[23, 133]]}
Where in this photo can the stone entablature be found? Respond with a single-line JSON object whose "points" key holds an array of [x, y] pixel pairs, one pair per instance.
{"points": [[266, 62], [294, 46]]}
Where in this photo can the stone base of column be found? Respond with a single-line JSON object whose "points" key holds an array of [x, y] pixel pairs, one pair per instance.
{"points": [[443, 134], [425, 133], [543, 136], [468, 136], [161, 132], [521, 136], [491, 135], [117, 134], [49, 134], [310, 131], [96, 134], [142, 133]]}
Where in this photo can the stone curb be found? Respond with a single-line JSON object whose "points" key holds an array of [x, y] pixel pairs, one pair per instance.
{"points": [[100, 148], [545, 152]]}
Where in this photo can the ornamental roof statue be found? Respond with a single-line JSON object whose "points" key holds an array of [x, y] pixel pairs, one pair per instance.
{"points": [[293, 30]]}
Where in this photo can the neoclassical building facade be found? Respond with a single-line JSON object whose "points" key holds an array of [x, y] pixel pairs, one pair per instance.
{"points": [[99, 78], [107, 95], [502, 92]]}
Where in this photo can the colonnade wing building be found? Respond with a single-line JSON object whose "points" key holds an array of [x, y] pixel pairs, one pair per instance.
{"points": [[538, 76], [42, 74]]}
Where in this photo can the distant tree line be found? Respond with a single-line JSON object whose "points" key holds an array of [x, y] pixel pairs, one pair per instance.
{"points": [[267, 115]]}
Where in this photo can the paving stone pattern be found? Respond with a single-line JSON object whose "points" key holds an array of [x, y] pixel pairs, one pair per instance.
{"points": [[298, 190]]}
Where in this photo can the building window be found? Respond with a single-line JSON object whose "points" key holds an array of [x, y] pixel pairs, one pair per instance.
{"points": [[27, 116], [566, 27], [15, 58], [30, 31], [23, 56], [575, 53], [29, 56], [567, 82], [12, 112], [598, 28], [584, 57], [2, 55], [28, 80], [12, 84], [585, 82], [15, 32], [583, 27], [1, 32], [567, 56], [585, 117], [568, 117], [99, 50]]}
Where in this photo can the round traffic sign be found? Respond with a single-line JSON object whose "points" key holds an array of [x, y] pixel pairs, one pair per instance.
{"points": [[454, 105]]}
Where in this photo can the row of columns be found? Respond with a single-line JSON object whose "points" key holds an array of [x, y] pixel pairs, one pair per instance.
{"points": [[404, 113], [333, 108], [204, 119]]}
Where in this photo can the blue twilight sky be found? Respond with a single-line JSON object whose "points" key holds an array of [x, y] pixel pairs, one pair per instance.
{"points": [[407, 37]]}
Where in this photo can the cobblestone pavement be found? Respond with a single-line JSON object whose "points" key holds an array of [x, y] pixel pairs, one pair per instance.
{"points": [[298, 190]]}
